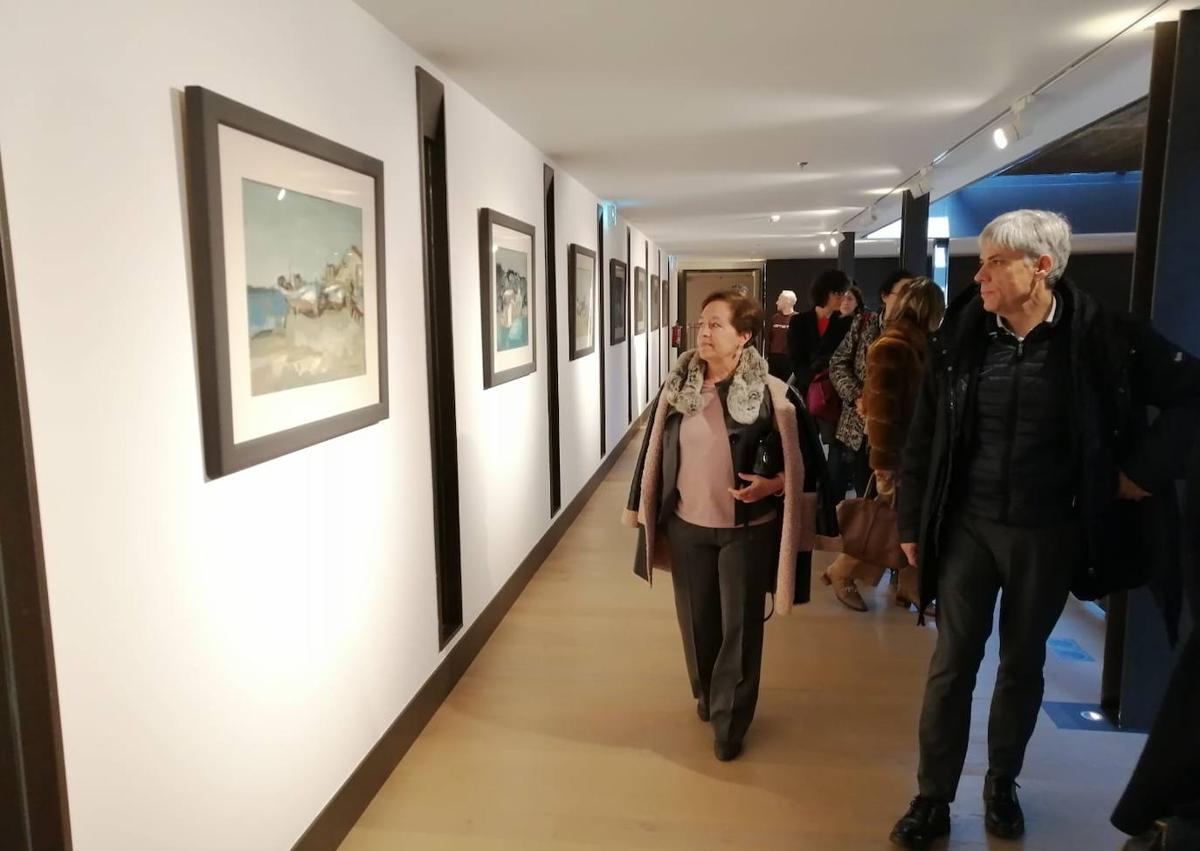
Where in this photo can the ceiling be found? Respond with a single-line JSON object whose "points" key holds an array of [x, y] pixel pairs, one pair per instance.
{"points": [[1114, 143], [692, 115]]}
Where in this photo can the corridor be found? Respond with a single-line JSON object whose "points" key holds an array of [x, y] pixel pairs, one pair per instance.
{"points": [[574, 728]]}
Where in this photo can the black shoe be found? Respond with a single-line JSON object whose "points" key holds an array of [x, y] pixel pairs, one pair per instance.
{"points": [[702, 710], [925, 821], [726, 751], [1002, 814]]}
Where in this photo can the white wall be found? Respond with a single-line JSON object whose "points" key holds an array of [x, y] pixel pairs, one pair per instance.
{"points": [[228, 651]]}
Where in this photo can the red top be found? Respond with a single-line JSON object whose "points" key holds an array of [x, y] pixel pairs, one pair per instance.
{"points": [[822, 325]]}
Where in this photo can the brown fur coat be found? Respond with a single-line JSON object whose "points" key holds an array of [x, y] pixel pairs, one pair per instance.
{"points": [[750, 382], [894, 365]]}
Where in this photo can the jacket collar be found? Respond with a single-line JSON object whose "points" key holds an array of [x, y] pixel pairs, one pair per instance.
{"points": [[746, 388]]}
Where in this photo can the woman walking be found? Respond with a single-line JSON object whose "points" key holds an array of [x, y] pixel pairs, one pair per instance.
{"points": [[729, 489], [894, 365]]}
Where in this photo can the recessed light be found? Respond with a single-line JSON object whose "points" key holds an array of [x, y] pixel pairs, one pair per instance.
{"points": [[832, 242], [776, 217], [822, 247]]}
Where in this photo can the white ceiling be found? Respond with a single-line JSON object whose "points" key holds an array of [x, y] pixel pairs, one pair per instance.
{"points": [[692, 115]]}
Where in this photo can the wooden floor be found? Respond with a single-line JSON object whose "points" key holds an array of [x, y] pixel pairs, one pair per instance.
{"points": [[575, 729]]}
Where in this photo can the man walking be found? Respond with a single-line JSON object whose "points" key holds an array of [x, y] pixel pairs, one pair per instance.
{"points": [[1029, 444]]}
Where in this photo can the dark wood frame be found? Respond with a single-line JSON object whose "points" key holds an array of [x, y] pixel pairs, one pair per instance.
{"points": [[618, 293], [573, 252], [204, 112], [640, 289], [655, 311], [487, 218], [34, 814], [439, 337]]}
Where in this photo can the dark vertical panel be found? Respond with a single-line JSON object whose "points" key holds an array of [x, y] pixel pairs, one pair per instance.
{"points": [[443, 421], [1176, 300], [1154, 154], [33, 796], [846, 254], [603, 338], [646, 296], [914, 233], [552, 346], [629, 316]]}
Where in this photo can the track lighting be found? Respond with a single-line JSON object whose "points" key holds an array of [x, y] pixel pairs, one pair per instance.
{"points": [[1015, 128]]}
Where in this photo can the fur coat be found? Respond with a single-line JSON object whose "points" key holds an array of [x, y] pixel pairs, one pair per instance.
{"points": [[750, 389], [894, 366]]}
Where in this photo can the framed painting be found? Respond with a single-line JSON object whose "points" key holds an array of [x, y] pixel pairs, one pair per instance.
{"points": [[288, 279], [655, 310], [618, 301], [639, 300], [666, 303], [506, 293], [581, 291]]}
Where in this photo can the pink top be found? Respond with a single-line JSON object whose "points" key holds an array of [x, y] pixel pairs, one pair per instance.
{"points": [[705, 466]]}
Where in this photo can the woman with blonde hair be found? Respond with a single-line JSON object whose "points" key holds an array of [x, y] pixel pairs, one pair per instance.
{"points": [[895, 363]]}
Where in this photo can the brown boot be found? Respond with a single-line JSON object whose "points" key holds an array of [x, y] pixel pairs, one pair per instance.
{"points": [[848, 596]]}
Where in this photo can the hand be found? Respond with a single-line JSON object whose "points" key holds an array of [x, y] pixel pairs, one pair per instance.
{"points": [[759, 487], [910, 550], [1128, 489], [860, 405]]}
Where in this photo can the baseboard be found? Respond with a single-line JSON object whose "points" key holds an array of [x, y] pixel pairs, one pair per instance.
{"points": [[343, 811]]}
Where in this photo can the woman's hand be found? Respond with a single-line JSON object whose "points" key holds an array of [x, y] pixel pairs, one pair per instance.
{"points": [[758, 489], [860, 405]]}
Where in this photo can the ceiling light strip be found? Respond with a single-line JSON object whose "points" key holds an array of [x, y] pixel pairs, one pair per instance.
{"points": [[1047, 83]]}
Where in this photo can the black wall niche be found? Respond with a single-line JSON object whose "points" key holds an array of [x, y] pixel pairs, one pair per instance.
{"points": [[552, 412]]}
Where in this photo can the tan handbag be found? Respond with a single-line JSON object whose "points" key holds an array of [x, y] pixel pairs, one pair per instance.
{"points": [[870, 531]]}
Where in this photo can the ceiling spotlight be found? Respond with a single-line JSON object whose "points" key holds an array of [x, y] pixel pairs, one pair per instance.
{"points": [[1014, 129], [775, 218], [833, 242], [822, 247]]}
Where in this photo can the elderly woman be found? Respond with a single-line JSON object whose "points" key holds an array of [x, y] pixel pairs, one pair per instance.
{"points": [[729, 489], [848, 372], [895, 363]]}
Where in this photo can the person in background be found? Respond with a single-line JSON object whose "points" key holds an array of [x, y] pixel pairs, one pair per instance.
{"points": [[777, 336], [814, 334], [1030, 440], [848, 450], [727, 493], [895, 365]]}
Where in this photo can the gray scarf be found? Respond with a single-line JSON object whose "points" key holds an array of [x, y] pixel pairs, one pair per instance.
{"points": [[746, 387]]}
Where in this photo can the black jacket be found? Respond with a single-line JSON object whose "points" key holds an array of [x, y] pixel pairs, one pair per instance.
{"points": [[810, 351], [1119, 367]]}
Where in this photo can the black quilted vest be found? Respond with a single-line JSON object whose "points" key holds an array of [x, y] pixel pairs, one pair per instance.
{"points": [[1022, 457]]}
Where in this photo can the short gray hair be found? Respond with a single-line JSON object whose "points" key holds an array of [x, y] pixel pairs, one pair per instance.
{"points": [[1033, 232], [788, 294]]}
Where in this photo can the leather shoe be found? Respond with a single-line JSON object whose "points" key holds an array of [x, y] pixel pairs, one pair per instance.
{"points": [[726, 751], [925, 821], [1002, 814], [702, 710]]}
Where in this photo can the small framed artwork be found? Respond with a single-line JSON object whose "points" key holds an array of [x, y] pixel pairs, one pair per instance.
{"points": [[288, 277], [581, 290], [639, 300], [618, 301], [506, 292], [666, 303], [655, 310]]}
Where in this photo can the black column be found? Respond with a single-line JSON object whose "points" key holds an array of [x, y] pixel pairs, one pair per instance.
{"points": [[602, 339], [552, 416], [914, 233], [845, 256], [439, 335]]}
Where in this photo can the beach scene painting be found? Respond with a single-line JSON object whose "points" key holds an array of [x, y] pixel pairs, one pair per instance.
{"points": [[306, 310]]}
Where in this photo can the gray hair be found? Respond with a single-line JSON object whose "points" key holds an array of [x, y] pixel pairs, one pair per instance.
{"points": [[788, 294], [1034, 233]]}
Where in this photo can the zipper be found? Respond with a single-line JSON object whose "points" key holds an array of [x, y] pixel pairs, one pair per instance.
{"points": [[1014, 407]]}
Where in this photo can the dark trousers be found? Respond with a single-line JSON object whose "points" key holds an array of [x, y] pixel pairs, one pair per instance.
{"points": [[720, 578], [1032, 568], [848, 467], [780, 366]]}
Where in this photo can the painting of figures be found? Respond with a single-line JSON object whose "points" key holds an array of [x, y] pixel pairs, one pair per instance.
{"points": [[506, 279], [581, 290], [618, 301]]}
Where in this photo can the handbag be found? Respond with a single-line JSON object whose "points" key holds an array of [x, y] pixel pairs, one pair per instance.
{"points": [[823, 401], [870, 530]]}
